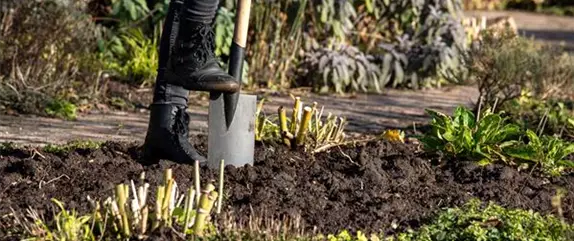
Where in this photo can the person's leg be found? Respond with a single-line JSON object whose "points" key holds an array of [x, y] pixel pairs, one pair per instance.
{"points": [[167, 134], [193, 64]]}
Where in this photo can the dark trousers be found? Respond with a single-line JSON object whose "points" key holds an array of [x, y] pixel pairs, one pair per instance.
{"points": [[193, 10]]}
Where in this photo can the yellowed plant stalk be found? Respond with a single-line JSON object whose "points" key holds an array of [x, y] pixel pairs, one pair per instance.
{"points": [[122, 199], [220, 190], [283, 124], [145, 213], [295, 115], [188, 206], [166, 200], [307, 114], [158, 206], [207, 199], [196, 180], [260, 126]]}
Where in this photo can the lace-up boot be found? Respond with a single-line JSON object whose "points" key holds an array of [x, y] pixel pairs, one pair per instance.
{"points": [[168, 129], [193, 64]]}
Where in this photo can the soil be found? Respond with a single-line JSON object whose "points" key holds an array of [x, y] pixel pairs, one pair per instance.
{"points": [[370, 186]]}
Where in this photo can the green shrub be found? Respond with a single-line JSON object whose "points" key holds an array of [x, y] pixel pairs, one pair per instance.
{"points": [[61, 109], [46, 55], [551, 117], [418, 44], [425, 42], [342, 69], [131, 56], [549, 153], [129, 10], [462, 135]]}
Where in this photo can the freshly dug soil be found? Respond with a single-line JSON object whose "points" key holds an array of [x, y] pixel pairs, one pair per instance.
{"points": [[370, 187]]}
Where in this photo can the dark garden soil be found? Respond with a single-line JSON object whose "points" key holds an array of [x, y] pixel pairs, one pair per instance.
{"points": [[368, 187]]}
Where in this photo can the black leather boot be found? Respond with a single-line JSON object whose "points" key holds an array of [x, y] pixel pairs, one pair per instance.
{"points": [[168, 127], [194, 65], [168, 134]]}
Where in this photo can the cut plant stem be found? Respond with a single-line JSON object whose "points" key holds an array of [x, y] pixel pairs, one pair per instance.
{"points": [[295, 115], [166, 201], [144, 220], [307, 114], [188, 208], [207, 199], [288, 135], [158, 206], [168, 175], [196, 180], [122, 199], [220, 190], [283, 124], [260, 126]]}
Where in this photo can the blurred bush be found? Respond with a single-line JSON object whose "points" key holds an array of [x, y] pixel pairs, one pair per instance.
{"points": [[46, 54], [505, 66], [412, 43], [341, 68], [554, 7]]}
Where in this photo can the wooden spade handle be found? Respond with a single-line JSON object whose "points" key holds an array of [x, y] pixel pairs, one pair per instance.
{"points": [[242, 22]]}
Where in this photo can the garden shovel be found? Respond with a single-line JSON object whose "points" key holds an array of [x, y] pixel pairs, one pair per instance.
{"points": [[231, 122]]}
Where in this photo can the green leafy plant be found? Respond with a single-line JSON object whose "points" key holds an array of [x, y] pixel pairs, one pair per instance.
{"points": [[68, 226], [129, 10], [551, 117], [462, 135], [491, 223], [224, 27], [61, 109], [547, 152], [266, 128], [336, 17], [72, 145], [133, 56], [493, 138]]}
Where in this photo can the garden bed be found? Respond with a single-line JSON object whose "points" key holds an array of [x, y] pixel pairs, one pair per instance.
{"points": [[368, 187]]}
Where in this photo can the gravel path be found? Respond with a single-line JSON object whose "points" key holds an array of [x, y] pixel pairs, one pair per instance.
{"points": [[365, 113]]}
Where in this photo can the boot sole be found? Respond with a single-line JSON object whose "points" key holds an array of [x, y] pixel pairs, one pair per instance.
{"points": [[219, 87]]}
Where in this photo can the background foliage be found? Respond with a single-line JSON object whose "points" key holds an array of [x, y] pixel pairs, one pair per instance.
{"points": [[45, 54]]}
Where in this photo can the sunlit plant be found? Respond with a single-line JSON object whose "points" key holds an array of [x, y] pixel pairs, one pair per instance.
{"points": [[127, 214], [304, 126]]}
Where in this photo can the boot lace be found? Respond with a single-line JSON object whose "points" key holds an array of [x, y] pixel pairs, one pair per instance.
{"points": [[201, 43], [181, 122]]}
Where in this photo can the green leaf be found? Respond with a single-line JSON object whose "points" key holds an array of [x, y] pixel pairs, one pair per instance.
{"points": [[533, 138], [524, 152], [131, 8], [484, 162], [464, 117], [566, 163]]}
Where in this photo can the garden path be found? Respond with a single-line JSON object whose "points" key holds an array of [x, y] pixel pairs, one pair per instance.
{"points": [[551, 29], [365, 113]]}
